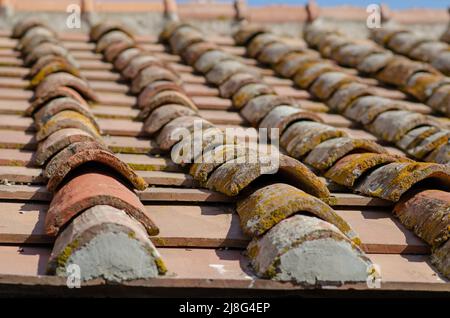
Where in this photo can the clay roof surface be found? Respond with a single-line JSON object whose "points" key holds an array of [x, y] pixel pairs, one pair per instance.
{"points": [[89, 171]]}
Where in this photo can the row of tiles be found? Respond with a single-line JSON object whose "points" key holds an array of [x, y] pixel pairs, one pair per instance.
{"points": [[271, 112]]}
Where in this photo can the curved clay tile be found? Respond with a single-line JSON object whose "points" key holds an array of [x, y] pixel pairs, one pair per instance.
{"points": [[210, 58], [427, 213], [351, 53], [89, 189], [244, 35], [331, 43], [63, 91], [138, 63], [346, 95], [220, 72], [114, 50], [34, 37], [354, 53], [163, 98], [394, 124], [110, 38], [440, 259], [233, 83], [442, 62], [259, 42], [374, 62], [101, 29], [415, 136], [248, 92], [74, 156], [291, 63], [274, 52], [151, 90], [53, 164], [191, 148], [178, 128], [347, 170], [163, 115], [366, 109], [23, 26], [214, 158], [390, 181], [54, 67], [309, 72], [193, 52], [313, 33], [170, 28], [268, 206], [399, 70], [47, 48], [257, 108], [440, 155], [440, 100], [283, 116], [427, 50], [58, 141], [50, 59], [328, 152], [56, 80], [427, 145], [275, 255], [303, 136], [58, 105], [326, 84], [85, 237], [385, 34], [125, 57], [234, 175], [184, 36], [422, 85], [152, 74], [67, 119]]}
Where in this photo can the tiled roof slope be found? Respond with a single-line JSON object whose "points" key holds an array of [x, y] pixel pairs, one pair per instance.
{"points": [[262, 213], [327, 151], [92, 213], [166, 89]]}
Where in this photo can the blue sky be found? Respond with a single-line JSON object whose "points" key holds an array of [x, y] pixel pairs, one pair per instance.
{"points": [[394, 4]]}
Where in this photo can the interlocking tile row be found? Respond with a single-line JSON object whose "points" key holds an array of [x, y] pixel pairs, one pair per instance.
{"points": [[418, 79], [392, 170], [100, 223], [414, 46], [420, 136], [224, 167], [361, 165]]}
